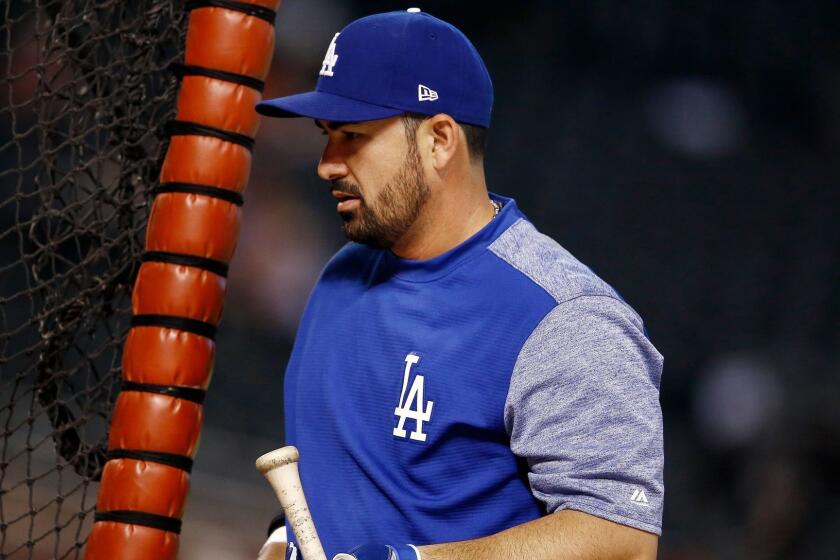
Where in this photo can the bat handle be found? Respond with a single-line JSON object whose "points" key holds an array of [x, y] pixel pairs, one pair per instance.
{"points": [[280, 467]]}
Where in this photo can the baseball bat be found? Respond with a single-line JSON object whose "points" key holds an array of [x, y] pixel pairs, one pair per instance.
{"points": [[280, 467]]}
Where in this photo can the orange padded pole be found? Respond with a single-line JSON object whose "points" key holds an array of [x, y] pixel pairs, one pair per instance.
{"points": [[179, 292]]}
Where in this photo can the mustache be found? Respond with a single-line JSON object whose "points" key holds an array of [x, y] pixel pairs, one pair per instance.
{"points": [[346, 186]]}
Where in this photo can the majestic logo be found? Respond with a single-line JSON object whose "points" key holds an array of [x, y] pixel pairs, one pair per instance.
{"points": [[329, 59], [413, 406], [639, 497], [425, 93]]}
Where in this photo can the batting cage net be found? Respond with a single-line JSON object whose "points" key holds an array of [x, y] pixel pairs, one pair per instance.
{"points": [[85, 97]]}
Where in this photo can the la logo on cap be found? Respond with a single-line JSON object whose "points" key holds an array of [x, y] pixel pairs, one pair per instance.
{"points": [[329, 59]]}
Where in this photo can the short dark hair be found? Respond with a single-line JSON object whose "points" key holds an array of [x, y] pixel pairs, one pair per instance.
{"points": [[476, 136]]}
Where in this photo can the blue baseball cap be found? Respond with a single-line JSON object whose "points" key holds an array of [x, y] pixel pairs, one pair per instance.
{"points": [[388, 64]]}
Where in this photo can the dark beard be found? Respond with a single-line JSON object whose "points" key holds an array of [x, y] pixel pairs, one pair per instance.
{"points": [[396, 207]]}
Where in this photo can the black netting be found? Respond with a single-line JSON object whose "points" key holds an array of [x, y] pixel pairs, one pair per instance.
{"points": [[83, 103]]}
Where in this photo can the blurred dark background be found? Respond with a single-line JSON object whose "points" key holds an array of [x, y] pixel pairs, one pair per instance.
{"points": [[687, 152]]}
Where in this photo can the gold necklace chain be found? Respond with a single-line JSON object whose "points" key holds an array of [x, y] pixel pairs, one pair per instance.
{"points": [[497, 207]]}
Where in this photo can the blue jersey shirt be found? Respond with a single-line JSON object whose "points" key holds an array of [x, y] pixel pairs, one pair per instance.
{"points": [[425, 410]]}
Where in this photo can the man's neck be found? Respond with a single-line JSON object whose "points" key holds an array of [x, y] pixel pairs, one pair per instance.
{"points": [[445, 222]]}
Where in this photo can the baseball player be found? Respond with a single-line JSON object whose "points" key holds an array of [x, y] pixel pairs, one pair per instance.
{"points": [[461, 387]]}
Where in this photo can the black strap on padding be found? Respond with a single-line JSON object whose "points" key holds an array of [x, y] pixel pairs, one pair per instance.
{"points": [[251, 9], [181, 70], [185, 128], [153, 520], [211, 265], [194, 326], [177, 391], [190, 188], [181, 462]]}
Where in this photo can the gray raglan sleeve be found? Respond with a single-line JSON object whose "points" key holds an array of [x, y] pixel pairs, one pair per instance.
{"points": [[583, 410]]}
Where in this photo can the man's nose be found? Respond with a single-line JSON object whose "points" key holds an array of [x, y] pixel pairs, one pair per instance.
{"points": [[331, 166]]}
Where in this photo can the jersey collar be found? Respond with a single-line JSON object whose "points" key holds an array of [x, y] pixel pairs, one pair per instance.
{"points": [[428, 270]]}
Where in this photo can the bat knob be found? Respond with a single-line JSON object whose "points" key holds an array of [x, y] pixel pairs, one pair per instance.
{"points": [[277, 458]]}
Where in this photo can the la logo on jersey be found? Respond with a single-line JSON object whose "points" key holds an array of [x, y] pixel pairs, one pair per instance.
{"points": [[329, 59], [414, 406]]}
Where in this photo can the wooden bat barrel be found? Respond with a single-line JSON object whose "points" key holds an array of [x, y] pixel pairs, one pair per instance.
{"points": [[280, 467]]}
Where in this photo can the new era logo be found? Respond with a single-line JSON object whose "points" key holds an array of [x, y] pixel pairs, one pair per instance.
{"points": [[425, 93], [639, 497]]}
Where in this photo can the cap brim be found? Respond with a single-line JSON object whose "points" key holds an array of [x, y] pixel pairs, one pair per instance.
{"points": [[324, 106]]}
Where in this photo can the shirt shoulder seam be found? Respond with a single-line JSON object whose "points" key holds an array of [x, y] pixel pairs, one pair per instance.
{"points": [[502, 258]]}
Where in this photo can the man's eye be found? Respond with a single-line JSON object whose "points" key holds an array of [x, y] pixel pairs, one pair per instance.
{"points": [[350, 135]]}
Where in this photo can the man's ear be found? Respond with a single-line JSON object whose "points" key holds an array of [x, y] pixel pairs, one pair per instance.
{"points": [[444, 136]]}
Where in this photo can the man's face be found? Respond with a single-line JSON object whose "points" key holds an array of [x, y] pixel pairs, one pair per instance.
{"points": [[377, 176]]}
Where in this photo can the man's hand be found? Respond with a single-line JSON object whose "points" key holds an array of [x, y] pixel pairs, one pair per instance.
{"points": [[274, 547], [273, 550], [380, 552]]}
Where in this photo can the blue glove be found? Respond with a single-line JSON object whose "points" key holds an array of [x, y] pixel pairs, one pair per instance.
{"points": [[380, 552]]}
